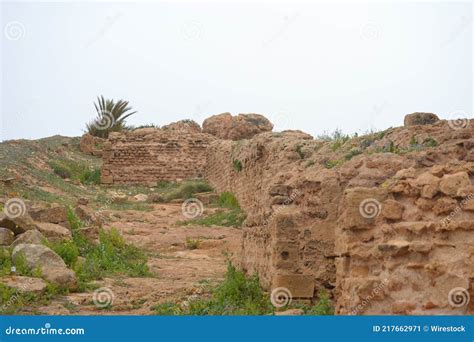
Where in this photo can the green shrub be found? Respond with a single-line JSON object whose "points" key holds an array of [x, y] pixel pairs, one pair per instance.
{"points": [[228, 200], [90, 176], [237, 164], [300, 151], [67, 250], [352, 153], [236, 295], [323, 306], [192, 243]]}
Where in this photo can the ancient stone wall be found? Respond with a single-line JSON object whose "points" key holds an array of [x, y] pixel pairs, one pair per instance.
{"points": [[149, 155], [383, 222]]}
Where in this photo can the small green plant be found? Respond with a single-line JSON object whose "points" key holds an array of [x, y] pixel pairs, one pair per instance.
{"points": [[228, 200], [225, 218], [323, 307], [352, 153], [430, 142], [192, 243], [300, 151], [76, 171], [67, 250], [329, 164], [236, 295], [237, 164]]}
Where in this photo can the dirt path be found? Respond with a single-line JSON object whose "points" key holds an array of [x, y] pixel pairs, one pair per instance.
{"points": [[177, 272]]}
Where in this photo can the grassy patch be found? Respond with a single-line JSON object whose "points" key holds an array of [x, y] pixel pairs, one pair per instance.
{"points": [[110, 256], [227, 200], [75, 170], [224, 218], [238, 295]]}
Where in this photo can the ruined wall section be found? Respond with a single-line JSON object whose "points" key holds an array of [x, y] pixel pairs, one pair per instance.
{"points": [[285, 239], [149, 155], [406, 245]]}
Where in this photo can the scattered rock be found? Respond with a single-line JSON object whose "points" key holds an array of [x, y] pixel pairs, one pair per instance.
{"points": [[6, 237], [88, 216], [140, 198], [82, 201], [444, 205], [242, 126], [91, 145], [450, 184], [156, 198], [52, 266], [420, 118], [25, 284], [52, 214], [183, 125], [18, 225], [54, 232]]}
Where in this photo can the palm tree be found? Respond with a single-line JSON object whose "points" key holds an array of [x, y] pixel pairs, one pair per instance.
{"points": [[110, 117]]}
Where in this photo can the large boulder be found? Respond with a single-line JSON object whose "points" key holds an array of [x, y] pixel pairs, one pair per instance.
{"points": [[54, 232], [32, 236], [52, 266], [419, 118], [6, 237], [242, 126]]}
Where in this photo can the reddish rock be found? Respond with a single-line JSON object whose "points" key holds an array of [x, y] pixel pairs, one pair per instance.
{"points": [[242, 126]]}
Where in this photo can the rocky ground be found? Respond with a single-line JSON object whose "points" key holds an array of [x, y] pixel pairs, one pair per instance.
{"points": [[50, 175], [177, 272]]}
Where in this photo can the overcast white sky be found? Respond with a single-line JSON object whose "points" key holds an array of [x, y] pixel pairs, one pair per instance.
{"points": [[314, 67]]}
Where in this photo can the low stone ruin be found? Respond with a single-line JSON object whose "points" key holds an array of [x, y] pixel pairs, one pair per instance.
{"points": [[383, 222]]}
